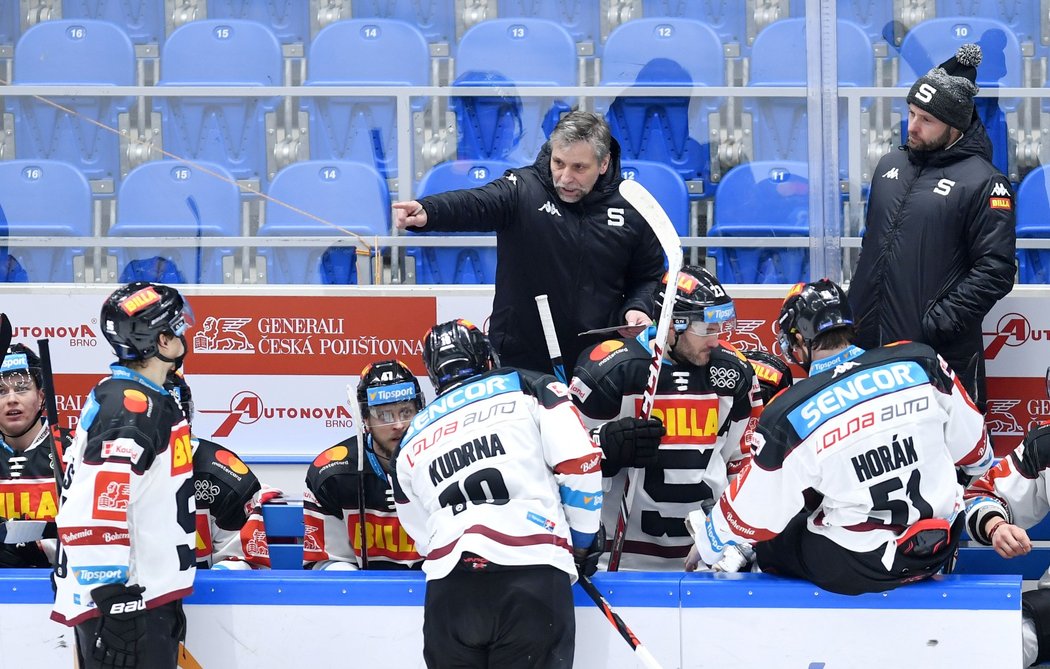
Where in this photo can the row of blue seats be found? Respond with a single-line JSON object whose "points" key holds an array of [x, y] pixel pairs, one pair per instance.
{"points": [[171, 199], [652, 52], [146, 23]]}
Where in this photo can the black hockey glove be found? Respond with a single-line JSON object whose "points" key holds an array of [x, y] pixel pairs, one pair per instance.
{"points": [[587, 558], [121, 626], [628, 442]]}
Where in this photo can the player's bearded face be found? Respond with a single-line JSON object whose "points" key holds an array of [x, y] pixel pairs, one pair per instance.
{"points": [[389, 422]]}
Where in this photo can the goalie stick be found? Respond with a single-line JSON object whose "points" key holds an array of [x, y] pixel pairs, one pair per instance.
{"points": [[646, 205]]}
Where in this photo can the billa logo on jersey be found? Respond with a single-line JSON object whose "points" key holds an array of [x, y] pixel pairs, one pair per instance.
{"points": [[1012, 330], [181, 451], [1000, 203], [766, 373], [687, 419], [112, 492], [33, 501], [139, 300], [386, 537]]}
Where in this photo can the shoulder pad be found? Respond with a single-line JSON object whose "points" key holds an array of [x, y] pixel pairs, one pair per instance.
{"points": [[125, 409], [328, 475], [223, 484], [730, 371], [605, 373]]}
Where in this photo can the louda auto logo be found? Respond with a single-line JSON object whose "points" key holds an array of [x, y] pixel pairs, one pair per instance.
{"points": [[247, 407], [1013, 330]]}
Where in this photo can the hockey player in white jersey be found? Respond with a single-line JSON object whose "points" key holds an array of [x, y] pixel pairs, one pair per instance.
{"points": [[126, 518], [707, 400], [878, 434], [499, 484], [1000, 505]]}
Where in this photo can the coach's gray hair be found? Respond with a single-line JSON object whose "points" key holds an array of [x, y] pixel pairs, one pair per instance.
{"points": [[581, 126]]}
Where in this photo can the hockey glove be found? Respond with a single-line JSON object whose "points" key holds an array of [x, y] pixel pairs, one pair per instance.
{"points": [[587, 558], [628, 442], [121, 626]]}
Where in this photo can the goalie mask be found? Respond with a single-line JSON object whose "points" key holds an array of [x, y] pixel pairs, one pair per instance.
{"points": [[701, 305], [455, 351], [135, 315], [385, 384], [810, 310]]}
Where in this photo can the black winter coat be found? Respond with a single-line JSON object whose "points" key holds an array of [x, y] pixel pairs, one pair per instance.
{"points": [[938, 252], [595, 259]]}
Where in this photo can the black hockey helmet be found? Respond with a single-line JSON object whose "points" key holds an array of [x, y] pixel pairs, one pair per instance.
{"points": [[22, 360], [701, 304], [387, 382], [454, 351], [812, 309], [136, 314], [178, 388], [773, 373]]}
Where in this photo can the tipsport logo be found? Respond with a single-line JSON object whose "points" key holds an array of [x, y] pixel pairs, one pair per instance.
{"points": [[1012, 330], [246, 408]]}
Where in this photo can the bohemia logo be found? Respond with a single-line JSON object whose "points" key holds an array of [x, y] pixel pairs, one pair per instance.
{"points": [[222, 335], [246, 408], [1012, 330]]}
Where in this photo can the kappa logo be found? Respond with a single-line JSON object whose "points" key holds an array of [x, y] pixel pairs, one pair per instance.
{"points": [[513, 178], [549, 207], [222, 335], [891, 174], [1000, 190]]}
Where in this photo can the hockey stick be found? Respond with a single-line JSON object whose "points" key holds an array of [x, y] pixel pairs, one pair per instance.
{"points": [[640, 651], [355, 412], [53, 421], [551, 335], [646, 205]]}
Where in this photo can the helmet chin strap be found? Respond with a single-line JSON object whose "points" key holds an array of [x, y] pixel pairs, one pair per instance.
{"points": [[672, 347], [33, 423], [177, 361]]}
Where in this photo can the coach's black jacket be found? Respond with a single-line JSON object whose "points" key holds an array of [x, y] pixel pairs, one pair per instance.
{"points": [[938, 252], [595, 259]]}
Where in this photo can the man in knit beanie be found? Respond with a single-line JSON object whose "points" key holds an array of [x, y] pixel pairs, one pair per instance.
{"points": [[939, 241]]}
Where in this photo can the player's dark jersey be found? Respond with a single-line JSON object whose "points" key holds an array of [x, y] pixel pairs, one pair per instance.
{"points": [[330, 509], [27, 491], [709, 413], [229, 516]]}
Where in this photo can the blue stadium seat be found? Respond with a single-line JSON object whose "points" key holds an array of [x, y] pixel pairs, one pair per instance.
{"points": [[170, 198], [664, 52], [728, 18], [780, 124], [436, 19], [932, 42], [339, 197], [10, 26], [762, 199], [288, 19], [581, 19], [509, 53], [72, 52], [1033, 203], [875, 18], [44, 198], [1021, 16], [457, 265], [142, 20], [363, 52], [229, 131], [667, 187]]}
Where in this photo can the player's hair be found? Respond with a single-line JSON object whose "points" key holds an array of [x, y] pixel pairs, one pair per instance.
{"points": [[581, 126]]}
